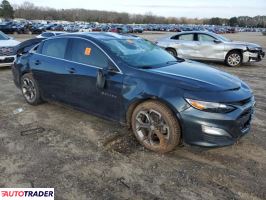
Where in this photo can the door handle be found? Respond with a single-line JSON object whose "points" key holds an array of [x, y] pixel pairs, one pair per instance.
{"points": [[37, 62], [71, 70]]}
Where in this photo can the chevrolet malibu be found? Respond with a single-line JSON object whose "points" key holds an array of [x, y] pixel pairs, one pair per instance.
{"points": [[164, 99]]}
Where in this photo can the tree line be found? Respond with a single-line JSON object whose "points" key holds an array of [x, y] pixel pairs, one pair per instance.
{"points": [[29, 11]]}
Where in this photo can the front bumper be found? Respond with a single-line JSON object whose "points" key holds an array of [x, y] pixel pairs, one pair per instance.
{"points": [[253, 55], [216, 129], [6, 61]]}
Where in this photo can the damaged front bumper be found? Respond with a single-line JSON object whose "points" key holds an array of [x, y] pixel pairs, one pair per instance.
{"points": [[253, 55]]}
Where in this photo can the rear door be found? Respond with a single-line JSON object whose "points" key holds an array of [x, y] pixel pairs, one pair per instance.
{"points": [[86, 59], [185, 45], [49, 69], [209, 48]]}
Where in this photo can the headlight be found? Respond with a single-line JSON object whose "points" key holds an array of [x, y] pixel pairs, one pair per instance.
{"points": [[210, 106]]}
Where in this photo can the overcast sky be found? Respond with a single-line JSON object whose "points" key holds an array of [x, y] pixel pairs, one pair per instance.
{"points": [[175, 8]]}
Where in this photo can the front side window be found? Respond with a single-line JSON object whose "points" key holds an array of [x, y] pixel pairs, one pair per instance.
{"points": [[55, 47], [186, 37], [205, 38], [86, 53]]}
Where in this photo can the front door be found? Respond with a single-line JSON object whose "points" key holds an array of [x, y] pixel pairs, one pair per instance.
{"points": [[209, 48]]}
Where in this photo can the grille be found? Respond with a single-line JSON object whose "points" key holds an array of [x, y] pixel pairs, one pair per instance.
{"points": [[243, 102], [7, 60], [6, 51]]}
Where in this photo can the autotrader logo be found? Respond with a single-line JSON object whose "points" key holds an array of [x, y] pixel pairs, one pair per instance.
{"points": [[27, 193]]}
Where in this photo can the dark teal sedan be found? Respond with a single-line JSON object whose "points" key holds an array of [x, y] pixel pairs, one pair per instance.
{"points": [[164, 99]]}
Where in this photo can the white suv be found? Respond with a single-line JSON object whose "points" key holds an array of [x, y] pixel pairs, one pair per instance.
{"points": [[7, 50]]}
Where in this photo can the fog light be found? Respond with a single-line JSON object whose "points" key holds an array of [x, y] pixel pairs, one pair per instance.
{"points": [[214, 131]]}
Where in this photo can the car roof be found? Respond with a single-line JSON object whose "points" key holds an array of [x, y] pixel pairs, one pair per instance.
{"points": [[100, 35], [190, 32]]}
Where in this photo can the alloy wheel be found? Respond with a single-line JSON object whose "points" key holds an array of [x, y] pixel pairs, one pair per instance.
{"points": [[234, 59], [151, 128], [28, 89]]}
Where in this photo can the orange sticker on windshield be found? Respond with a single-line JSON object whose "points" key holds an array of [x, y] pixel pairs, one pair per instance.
{"points": [[88, 51]]}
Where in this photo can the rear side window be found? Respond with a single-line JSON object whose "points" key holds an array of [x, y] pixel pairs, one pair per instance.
{"points": [[47, 34], [55, 47], [186, 37], [84, 52]]}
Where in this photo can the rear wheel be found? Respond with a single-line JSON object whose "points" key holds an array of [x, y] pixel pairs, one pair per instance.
{"points": [[171, 51], [155, 126], [233, 59], [30, 90]]}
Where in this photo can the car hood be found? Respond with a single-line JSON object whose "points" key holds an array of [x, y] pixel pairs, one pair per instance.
{"points": [[195, 76], [8, 43], [248, 44]]}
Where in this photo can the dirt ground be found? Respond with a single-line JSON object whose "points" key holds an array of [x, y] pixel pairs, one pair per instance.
{"points": [[84, 157]]}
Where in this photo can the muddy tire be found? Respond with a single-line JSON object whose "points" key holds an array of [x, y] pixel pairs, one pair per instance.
{"points": [[233, 59], [171, 51], [156, 127], [30, 90]]}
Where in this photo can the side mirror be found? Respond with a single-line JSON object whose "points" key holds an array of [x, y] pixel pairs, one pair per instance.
{"points": [[216, 41], [101, 80]]}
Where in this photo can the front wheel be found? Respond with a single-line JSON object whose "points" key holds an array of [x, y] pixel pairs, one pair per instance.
{"points": [[233, 59], [30, 90], [155, 126]]}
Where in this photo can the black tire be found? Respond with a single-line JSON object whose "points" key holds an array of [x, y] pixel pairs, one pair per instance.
{"points": [[30, 90], [233, 59], [156, 127], [171, 51]]}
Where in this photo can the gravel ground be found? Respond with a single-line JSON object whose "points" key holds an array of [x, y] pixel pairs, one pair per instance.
{"points": [[85, 157]]}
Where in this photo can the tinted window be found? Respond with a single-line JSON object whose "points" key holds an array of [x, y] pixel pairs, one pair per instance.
{"points": [[175, 37], [85, 52], [205, 38], [47, 34], [186, 37], [3, 36], [55, 47]]}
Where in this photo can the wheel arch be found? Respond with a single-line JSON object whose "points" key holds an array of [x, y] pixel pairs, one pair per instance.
{"points": [[241, 51], [134, 104], [171, 48]]}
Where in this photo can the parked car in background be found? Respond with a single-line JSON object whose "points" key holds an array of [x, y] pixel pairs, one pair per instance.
{"points": [[12, 28], [37, 28], [58, 27], [49, 34], [7, 50], [202, 45], [85, 28], [164, 99], [137, 29]]}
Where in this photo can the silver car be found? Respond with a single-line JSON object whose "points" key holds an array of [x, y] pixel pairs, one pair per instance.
{"points": [[201, 45], [7, 50]]}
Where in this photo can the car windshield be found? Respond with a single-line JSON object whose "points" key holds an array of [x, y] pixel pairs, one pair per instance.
{"points": [[3, 36], [223, 38], [139, 53]]}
